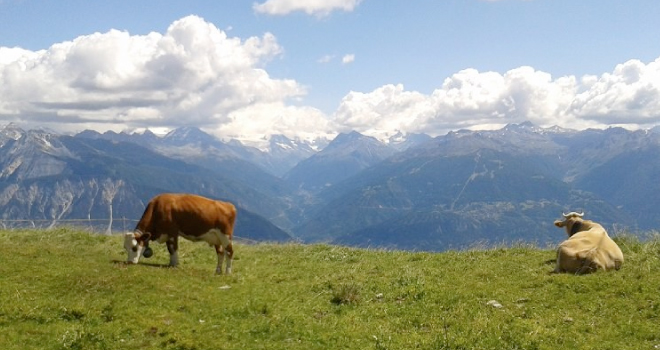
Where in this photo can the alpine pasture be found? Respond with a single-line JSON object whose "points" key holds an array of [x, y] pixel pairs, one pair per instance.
{"points": [[68, 289]]}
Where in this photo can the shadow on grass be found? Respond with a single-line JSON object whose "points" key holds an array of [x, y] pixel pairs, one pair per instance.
{"points": [[123, 262]]}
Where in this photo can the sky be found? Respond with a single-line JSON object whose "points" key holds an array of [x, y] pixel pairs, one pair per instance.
{"points": [[314, 68]]}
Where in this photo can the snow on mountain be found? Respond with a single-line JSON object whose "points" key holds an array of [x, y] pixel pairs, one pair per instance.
{"points": [[402, 142], [9, 132], [346, 155]]}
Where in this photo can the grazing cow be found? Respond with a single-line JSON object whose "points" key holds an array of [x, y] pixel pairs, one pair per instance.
{"points": [[193, 217], [587, 248]]}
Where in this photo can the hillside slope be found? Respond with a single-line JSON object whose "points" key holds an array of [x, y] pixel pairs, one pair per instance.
{"points": [[476, 187], [55, 178]]}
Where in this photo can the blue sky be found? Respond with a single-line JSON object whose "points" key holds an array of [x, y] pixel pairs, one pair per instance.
{"points": [[246, 69]]}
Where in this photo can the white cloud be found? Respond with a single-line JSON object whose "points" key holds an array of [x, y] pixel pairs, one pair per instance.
{"points": [[194, 74], [318, 8], [326, 59], [346, 59], [629, 96], [349, 58], [252, 122]]}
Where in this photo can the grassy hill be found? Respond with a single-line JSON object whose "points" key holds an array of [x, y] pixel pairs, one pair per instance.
{"points": [[64, 289]]}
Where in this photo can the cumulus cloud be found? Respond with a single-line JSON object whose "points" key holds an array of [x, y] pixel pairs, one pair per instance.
{"points": [[252, 123], [629, 96], [194, 74], [320, 8]]}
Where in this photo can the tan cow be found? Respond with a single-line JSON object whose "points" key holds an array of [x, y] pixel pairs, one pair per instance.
{"points": [[587, 248], [193, 217]]}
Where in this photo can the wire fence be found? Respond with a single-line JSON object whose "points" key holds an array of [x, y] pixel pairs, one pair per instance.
{"points": [[103, 226], [100, 226]]}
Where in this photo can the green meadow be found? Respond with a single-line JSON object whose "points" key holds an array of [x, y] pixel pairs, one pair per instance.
{"points": [[67, 289]]}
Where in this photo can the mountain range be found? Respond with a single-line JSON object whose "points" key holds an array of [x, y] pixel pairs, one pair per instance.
{"points": [[462, 189]]}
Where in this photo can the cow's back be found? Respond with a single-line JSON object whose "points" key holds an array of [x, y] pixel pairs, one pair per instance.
{"points": [[589, 250], [192, 215]]}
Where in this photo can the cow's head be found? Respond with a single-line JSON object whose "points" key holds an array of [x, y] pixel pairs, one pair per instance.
{"points": [[572, 222], [137, 244]]}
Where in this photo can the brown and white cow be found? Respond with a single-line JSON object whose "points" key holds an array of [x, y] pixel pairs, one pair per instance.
{"points": [[193, 217], [588, 247]]}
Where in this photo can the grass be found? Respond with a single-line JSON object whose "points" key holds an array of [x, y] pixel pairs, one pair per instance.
{"points": [[64, 289]]}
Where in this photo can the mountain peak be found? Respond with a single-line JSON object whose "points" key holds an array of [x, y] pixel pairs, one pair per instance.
{"points": [[555, 129], [525, 126], [352, 136], [351, 140], [189, 134], [149, 133], [401, 141], [11, 131], [280, 142]]}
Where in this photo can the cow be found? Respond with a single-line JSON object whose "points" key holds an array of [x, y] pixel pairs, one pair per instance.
{"points": [[196, 218], [588, 247]]}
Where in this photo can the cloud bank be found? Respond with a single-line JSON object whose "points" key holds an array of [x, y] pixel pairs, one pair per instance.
{"points": [[629, 96], [196, 75]]}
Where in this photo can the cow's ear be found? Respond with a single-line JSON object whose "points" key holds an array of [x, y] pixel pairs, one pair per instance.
{"points": [[577, 227]]}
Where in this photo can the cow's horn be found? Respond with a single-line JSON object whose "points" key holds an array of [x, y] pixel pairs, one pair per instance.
{"points": [[573, 214]]}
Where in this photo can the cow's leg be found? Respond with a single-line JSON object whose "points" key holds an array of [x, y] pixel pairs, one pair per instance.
{"points": [[226, 249], [221, 258], [172, 247], [229, 252]]}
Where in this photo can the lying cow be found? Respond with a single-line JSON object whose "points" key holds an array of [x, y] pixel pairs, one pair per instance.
{"points": [[587, 248], [196, 218]]}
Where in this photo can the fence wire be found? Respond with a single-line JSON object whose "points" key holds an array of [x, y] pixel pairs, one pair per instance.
{"points": [[100, 226], [103, 226]]}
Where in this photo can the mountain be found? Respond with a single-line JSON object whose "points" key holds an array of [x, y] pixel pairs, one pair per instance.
{"points": [[280, 155], [284, 154], [47, 177], [462, 189], [345, 156], [630, 181], [458, 189], [229, 160], [402, 142]]}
